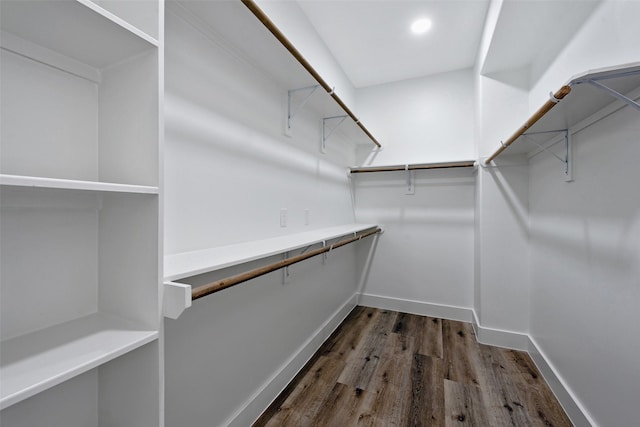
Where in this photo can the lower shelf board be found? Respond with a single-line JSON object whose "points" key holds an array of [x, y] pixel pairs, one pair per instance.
{"points": [[32, 363]]}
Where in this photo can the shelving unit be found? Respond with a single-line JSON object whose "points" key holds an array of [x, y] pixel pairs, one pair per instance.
{"points": [[189, 264], [178, 296], [578, 100], [79, 204], [265, 47]]}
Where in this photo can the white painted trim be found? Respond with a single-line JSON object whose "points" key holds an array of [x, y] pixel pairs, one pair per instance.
{"points": [[462, 314], [571, 404], [499, 337], [266, 394]]}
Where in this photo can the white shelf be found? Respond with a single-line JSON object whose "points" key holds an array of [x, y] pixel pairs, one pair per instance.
{"points": [[40, 360], [582, 102], [77, 29], [188, 264], [33, 181]]}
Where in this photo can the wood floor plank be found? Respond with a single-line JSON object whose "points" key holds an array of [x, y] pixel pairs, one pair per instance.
{"points": [[460, 352], [427, 392], [464, 405], [518, 370], [505, 405], [345, 406], [310, 394], [544, 409], [426, 330], [347, 336], [390, 383], [362, 362], [395, 361]]}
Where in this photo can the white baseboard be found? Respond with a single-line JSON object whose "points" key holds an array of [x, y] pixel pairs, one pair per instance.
{"points": [[417, 307], [576, 412], [261, 400], [500, 337]]}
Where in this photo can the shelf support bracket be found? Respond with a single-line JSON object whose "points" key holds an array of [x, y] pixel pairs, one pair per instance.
{"points": [[286, 274], [324, 255], [292, 107], [568, 158], [411, 189], [326, 134], [614, 93]]}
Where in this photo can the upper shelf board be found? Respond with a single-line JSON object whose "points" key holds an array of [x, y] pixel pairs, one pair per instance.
{"points": [[70, 184], [232, 25], [189, 264], [78, 29], [583, 101]]}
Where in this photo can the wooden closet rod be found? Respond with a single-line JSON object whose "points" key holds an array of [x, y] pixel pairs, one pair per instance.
{"points": [[443, 165], [253, 7], [218, 285], [561, 93]]}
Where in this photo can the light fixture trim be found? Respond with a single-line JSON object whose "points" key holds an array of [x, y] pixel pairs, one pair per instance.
{"points": [[421, 25]]}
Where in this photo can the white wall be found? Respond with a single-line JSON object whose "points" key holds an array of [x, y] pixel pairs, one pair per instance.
{"points": [[227, 158], [501, 275], [429, 119], [501, 281], [503, 253], [425, 257], [585, 243], [229, 170], [585, 254], [426, 252]]}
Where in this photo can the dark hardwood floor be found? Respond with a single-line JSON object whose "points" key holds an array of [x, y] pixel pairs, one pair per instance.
{"points": [[384, 368]]}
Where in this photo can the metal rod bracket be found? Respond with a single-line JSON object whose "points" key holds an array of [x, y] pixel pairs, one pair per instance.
{"points": [[286, 274], [327, 131], [292, 107], [324, 255], [614, 93], [410, 188], [567, 160]]}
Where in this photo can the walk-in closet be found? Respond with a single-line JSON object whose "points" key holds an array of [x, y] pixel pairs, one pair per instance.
{"points": [[290, 213]]}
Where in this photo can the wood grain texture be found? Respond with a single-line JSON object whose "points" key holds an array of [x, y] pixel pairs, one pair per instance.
{"points": [[427, 332], [464, 405], [310, 394], [427, 392], [382, 368], [461, 352], [362, 364]]}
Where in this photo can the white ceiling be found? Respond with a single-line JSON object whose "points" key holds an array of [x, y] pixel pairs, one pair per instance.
{"points": [[372, 42]]}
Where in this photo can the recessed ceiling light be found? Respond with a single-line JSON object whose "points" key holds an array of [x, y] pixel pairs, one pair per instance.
{"points": [[421, 26]]}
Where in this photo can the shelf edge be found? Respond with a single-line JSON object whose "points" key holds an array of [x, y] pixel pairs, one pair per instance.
{"points": [[181, 274], [70, 184]]}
